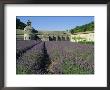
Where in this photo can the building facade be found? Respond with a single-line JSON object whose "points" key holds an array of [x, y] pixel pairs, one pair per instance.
{"points": [[28, 31], [27, 34], [83, 36]]}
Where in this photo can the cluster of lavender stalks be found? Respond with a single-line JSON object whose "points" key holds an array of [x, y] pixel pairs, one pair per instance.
{"points": [[54, 57]]}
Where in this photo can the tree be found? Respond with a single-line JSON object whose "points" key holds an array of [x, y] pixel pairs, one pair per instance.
{"points": [[34, 31], [83, 28], [19, 24]]}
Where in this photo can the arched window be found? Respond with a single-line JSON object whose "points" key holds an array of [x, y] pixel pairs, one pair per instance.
{"points": [[50, 38], [54, 38], [68, 38], [25, 38], [63, 38], [59, 38]]}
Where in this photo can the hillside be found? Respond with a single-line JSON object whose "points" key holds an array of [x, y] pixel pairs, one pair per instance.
{"points": [[83, 28]]}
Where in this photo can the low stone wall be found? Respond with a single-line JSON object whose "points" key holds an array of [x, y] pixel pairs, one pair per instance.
{"points": [[44, 36], [82, 37]]}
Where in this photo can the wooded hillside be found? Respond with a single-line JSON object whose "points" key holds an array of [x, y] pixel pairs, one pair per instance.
{"points": [[83, 28]]}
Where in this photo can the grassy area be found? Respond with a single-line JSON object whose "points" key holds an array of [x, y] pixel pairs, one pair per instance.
{"points": [[22, 70], [69, 68], [86, 42]]}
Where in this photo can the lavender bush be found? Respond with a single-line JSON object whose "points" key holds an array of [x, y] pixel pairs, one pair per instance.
{"points": [[29, 62], [23, 45], [70, 58], [55, 57]]}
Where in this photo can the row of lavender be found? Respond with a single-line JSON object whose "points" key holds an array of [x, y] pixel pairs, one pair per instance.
{"points": [[30, 61], [56, 57], [70, 58], [23, 45]]}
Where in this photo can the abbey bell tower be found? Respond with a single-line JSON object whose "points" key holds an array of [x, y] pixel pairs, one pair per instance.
{"points": [[28, 31]]}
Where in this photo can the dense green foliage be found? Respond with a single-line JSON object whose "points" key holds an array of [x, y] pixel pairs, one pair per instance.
{"points": [[19, 24], [86, 42], [83, 28], [34, 31]]}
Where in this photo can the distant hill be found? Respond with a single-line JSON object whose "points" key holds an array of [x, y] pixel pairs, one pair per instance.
{"points": [[83, 28]]}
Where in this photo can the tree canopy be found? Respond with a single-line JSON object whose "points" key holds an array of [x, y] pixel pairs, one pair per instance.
{"points": [[83, 28], [19, 24], [34, 31]]}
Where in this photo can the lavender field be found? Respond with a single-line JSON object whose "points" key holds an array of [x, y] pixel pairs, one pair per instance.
{"points": [[54, 57]]}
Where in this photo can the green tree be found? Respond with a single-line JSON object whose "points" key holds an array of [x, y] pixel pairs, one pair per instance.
{"points": [[19, 24], [83, 28]]}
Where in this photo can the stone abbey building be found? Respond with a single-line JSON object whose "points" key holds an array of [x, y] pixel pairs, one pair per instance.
{"points": [[27, 34]]}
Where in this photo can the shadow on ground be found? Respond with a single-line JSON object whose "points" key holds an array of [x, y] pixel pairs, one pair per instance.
{"points": [[41, 65]]}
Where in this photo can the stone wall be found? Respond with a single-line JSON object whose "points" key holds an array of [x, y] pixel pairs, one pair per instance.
{"points": [[19, 34], [82, 37], [58, 36], [44, 35]]}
